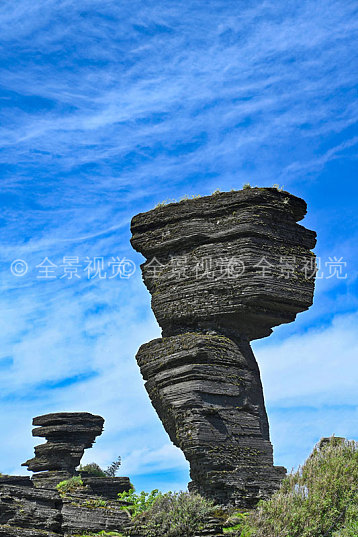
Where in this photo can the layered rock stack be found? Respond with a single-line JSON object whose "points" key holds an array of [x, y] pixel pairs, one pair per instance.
{"points": [[222, 270], [35, 508], [68, 434]]}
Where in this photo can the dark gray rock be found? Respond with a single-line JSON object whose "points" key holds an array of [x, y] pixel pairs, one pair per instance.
{"points": [[213, 528], [12, 531], [88, 514], [49, 480], [208, 393], [30, 508], [222, 270], [106, 487], [31, 511], [18, 480], [200, 246], [68, 434], [34, 508]]}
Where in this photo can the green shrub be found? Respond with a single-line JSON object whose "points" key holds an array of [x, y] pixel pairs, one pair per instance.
{"points": [[112, 469], [174, 514], [350, 528], [139, 502], [319, 500], [95, 470], [235, 523], [246, 186], [92, 469], [94, 503], [69, 485]]}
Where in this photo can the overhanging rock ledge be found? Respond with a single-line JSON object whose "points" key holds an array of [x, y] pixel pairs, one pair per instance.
{"points": [[222, 270]]}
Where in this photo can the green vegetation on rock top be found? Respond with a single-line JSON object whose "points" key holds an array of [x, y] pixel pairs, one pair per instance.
{"points": [[216, 192], [69, 485]]}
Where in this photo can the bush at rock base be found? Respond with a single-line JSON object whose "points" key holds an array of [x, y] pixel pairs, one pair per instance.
{"points": [[139, 502], [174, 514], [93, 469], [319, 500]]}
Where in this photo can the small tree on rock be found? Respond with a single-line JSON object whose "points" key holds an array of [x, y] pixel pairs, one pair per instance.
{"points": [[112, 469]]}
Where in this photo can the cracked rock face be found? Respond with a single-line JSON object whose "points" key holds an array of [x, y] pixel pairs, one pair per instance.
{"points": [[68, 434], [28, 511], [222, 270], [34, 508]]}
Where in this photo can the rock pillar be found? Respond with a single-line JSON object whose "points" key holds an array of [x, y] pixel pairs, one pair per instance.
{"points": [[222, 270]]}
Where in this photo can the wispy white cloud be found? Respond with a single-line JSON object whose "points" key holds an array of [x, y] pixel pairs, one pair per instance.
{"points": [[294, 431], [255, 63], [110, 107], [319, 162], [315, 368], [310, 382]]}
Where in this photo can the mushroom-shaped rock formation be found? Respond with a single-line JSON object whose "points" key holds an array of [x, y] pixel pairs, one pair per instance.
{"points": [[68, 434], [222, 270], [34, 508]]}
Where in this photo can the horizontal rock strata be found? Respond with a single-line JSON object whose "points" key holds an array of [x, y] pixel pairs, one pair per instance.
{"points": [[34, 507], [32, 512], [30, 508], [207, 391], [80, 515], [219, 261], [68, 434], [106, 487], [222, 270]]}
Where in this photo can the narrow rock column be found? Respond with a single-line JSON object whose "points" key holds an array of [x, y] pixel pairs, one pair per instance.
{"points": [[222, 270]]}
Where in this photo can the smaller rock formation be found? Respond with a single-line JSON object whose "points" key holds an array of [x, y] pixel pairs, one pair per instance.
{"points": [[34, 507], [28, 511], [68, 434]]}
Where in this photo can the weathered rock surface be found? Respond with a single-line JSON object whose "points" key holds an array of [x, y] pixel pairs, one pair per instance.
{"points": [[13, 531], [207, 391], [32, 512], [106, 487], [68, 434], [30, 508], [85, 514], [34, 507], [222, 270]]}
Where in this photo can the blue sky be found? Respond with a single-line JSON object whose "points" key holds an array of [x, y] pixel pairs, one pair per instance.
{"points": [[111, 107]]}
